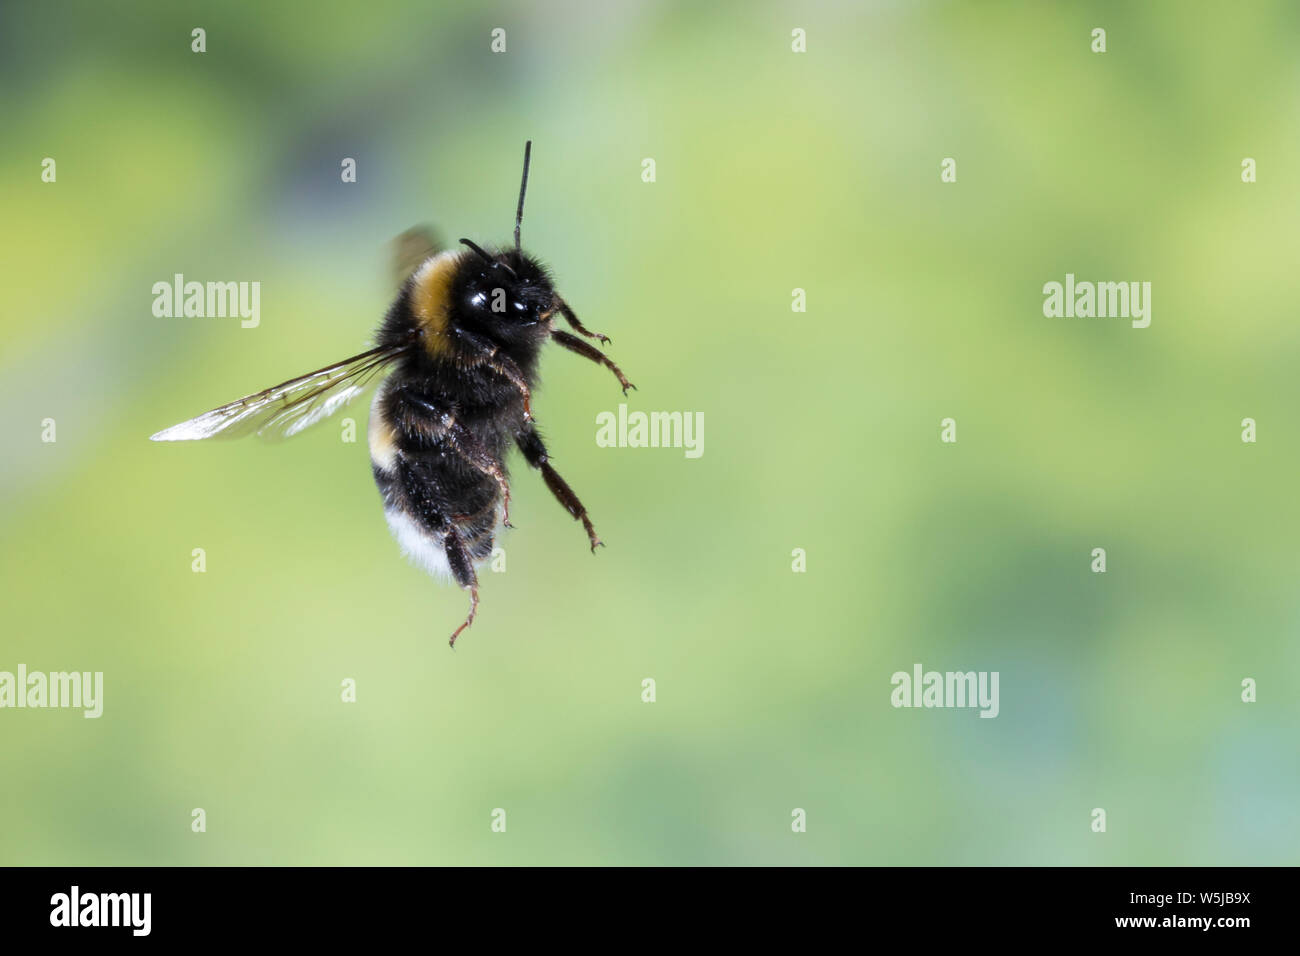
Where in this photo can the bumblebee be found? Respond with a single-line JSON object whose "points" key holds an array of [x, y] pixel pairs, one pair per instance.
{"points": [[458, 353]]}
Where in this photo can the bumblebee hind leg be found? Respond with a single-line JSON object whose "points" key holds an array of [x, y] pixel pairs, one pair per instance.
{"points": [[463, 570]]}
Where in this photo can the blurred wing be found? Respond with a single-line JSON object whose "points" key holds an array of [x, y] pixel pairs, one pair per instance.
{"points": [[286, 409], [410, 249]]}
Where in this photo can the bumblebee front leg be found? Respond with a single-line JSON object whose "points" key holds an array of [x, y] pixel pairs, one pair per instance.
{"points": [[534, 452], [573, 320], [463, 570], [575, 344]]}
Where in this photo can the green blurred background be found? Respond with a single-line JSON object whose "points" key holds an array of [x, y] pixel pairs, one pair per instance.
{"points": [[775, 170]]}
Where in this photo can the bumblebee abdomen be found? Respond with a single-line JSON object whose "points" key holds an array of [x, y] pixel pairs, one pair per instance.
{"points": [[428, 488]]}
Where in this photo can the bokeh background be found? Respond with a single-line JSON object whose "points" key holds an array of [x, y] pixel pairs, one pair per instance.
{"points": [[775, 170]]}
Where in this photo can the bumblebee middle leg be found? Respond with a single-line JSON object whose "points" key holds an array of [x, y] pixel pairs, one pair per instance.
{"points": [[479, 351], [534, 452], [442, 423]]}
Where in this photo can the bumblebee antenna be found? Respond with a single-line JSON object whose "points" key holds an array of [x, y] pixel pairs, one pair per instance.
{"points": [[479, 250], [487, 258], [523, 187]]}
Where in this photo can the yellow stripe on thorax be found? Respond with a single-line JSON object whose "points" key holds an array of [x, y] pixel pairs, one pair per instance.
{"points": [[430, 294]]}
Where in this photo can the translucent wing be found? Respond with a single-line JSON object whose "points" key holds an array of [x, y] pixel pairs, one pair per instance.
{"points": [[286, 409], [409, 251]]}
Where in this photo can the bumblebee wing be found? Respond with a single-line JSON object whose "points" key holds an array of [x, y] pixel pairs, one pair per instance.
{"points": [[410, 249], [284, 410]]}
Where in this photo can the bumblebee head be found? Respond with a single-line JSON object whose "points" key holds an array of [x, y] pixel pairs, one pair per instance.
{"points": [[507, 296]]}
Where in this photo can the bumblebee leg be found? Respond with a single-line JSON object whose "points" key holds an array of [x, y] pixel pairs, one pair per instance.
{"points": [[441, 423], [483, 352], [463, 569], [576, 324], [534, 452], [575, 344]]}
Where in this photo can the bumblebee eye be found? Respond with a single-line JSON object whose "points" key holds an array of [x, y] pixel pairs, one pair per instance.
{"points": [[477, 299], [519, 306]]}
